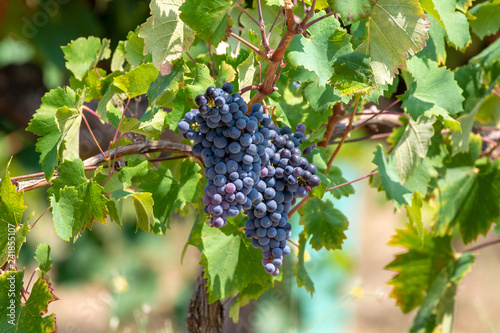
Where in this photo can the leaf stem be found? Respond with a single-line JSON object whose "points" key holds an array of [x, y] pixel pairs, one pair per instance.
{"points": [[38, 219], [275, 20], [352, 181], [370, 137], [307, 26], [92, 134], [86, 108], [348, 130], [292, 242], [299, 205], [482, 245], [250, 45]]}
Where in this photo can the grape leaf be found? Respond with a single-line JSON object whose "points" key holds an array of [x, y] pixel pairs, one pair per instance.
{"points": [[452, 20], [165, 35], [181, 107], [209, 19], [303, 279], [438, 306], [324, 223], [487, 18], [84, 53], [68, 120], [429, 83], [336, 178], [318, 52], [227, 274], [489, 56], [149, 127], [246, 71], [164, 89], [469, 196], [353, 10], [118, 58], [435, 48], [143, 203], [394, 189], [137, 81], [44, 125], [395, 28], [30, 316], [202, 80], [12, 232], [42, 256], [418, 267], [226, 74], [352, 73], [245, 295], [134, 48], [66, 213], [172, 193], [134, 171], [414, 213], [76, 202], [413, 144], [321, 97]]}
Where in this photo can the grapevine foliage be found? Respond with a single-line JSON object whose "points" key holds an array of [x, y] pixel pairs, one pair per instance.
{"points": [[235, 90]]}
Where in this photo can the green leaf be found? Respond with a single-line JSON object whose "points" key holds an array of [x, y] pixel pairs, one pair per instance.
{"points": [[165, 35], [246, 71], [143, 203], [438, 306], [44, 125], [170, 193], [133, 172], [303, 279], [227, 274], [137, 81], [395, 28], [66, 213], [118, 58], [394, 189], [469, 196], [487, 20], [353, 10], [336, 178], [318, 52], [32, 315], [321, 97], [435, 48], [181, 107], [84, 53], [164, 89], [352, 74], [69, 120], [12, 232], [251, 291], [196, 14], [202, 80], [418, 267], [152, 127], [429, 83], [134, 48], [226, 74], [412, 145], [452, 20], [414, 213], [325, 224], [489, 56], [42, 256]]}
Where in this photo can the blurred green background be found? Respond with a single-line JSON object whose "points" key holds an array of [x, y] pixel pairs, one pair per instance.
{"points": [[117, 280]]}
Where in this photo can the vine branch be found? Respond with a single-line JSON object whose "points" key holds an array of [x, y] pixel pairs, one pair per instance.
{"points": [[482, 245], [250, 45]]}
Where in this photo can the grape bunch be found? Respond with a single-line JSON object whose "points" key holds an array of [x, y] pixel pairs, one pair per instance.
{"points": [[289, 176], [231, 146], [251, 165]]}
